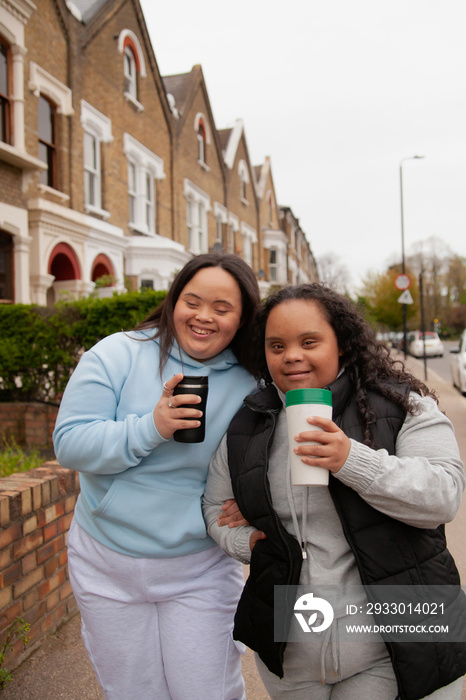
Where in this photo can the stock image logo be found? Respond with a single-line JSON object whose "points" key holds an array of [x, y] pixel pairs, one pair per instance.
{"points": [[308, 605]]}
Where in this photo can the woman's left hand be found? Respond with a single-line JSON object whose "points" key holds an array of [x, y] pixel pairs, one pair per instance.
{"points": [[231, 515], [332, 448]]}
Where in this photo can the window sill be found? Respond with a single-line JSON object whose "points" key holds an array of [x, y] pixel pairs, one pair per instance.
{"points": [[134, 228], [244, 201], [204, 166], [129, 98], [53, 194], [20, 159], [96, 211]]}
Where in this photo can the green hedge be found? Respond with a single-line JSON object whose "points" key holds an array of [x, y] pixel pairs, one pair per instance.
{"points": [[40, 346]]}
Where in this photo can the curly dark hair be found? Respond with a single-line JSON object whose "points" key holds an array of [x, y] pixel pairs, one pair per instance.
{"points": [[366, 360], [161, 318]]}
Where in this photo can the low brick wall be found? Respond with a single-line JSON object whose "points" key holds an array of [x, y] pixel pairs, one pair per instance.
{"points": [[36, 509], [30, 424]]}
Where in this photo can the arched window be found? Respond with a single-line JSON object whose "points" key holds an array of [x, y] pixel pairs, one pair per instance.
{"points": [[243, 180], [134, 65], [6, 267], [47, 141], [130, 73], [202, 131], [5, 92], [201, 141]]}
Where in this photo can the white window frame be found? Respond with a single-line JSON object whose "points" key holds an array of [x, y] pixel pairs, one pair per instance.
{"points": [[43, 83], [249, 238], [243, 180], [14, 16], [145, 164], [92, 191], [98, 127], [202, 142], [132, 190], [198, 207], [277, 239], [131, 94], [130, 73], [221, 217], [273, 266], [201, 147], [149, 200], [233, 227], [189, 221]]}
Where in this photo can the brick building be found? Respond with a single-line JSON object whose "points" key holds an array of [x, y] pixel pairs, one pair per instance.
{"points": [[241, 200], [199, 178], [301, 264], [111, 174]]}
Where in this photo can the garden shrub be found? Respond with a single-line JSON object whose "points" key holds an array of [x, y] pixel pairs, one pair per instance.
{"points": [[40, 346]]}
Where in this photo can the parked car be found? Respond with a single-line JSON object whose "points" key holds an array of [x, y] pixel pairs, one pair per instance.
{"points": [[433, 344], [458, 364], [396, 340]]}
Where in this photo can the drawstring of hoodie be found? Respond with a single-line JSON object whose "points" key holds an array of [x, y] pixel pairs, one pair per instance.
{"points": [[300, 536], [331, 634]]}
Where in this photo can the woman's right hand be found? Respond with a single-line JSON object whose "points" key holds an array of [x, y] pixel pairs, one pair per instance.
{"points": [[255, 537], [168, 417]]}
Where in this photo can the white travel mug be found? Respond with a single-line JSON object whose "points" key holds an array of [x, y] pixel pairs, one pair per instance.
{"points": [[301, 404]]}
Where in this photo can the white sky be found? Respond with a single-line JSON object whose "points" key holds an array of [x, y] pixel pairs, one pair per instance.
{"points": [[337, 93]]}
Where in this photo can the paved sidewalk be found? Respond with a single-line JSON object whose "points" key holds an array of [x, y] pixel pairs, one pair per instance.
{"points": [[60, 669]]}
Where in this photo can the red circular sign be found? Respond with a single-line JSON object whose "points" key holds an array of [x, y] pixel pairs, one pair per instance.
{"points": [[402, 282]]}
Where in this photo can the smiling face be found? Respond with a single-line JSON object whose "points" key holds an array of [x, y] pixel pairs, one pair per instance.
{"points": [[208, 313], [301, 347]]}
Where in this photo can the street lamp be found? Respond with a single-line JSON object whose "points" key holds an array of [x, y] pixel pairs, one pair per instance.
{"points": [[403, 261]]}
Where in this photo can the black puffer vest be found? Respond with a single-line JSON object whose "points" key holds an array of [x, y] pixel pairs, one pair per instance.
{"points": [[386, 551]]}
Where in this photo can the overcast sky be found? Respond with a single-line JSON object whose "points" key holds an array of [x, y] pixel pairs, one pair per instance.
{"points": [[338, 93]]}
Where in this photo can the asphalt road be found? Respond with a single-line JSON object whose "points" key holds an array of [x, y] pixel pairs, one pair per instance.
{"points": [[440, 365]]}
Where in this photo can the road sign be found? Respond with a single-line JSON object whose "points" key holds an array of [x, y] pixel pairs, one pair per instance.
{"points": [[406, 298], [402, 282]]}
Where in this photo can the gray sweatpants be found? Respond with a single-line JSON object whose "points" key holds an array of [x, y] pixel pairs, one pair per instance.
{"points": [[158, 629], [375, 682]]}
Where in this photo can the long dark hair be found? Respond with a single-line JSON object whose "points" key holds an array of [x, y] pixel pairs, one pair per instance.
{"points": [[161, 318], [366, 360]]}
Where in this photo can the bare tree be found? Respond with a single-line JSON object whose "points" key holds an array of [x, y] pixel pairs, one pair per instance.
{"points": [[431, 258], [334, 273]]}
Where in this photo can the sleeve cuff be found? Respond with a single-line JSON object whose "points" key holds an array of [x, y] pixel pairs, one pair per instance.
{"points": [[361, 467], [241, 544]]}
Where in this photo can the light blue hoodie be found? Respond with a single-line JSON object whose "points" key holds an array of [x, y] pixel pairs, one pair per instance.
{"points": [[141, 494]]}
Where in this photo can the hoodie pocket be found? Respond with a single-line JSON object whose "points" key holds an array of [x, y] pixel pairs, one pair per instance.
{"points": [[147, 519]]}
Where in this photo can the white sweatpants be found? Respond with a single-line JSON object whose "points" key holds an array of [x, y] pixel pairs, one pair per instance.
{"points": [[158, 629]]}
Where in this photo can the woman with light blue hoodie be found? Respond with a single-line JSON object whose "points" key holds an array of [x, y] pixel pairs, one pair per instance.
{"points": [[155, 593]]}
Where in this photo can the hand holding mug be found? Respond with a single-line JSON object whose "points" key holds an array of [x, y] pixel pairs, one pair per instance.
{"points": [[169, 413], [330, 445]]}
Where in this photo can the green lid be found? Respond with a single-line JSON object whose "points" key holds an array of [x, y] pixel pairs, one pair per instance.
{"points": [[298, 396]]}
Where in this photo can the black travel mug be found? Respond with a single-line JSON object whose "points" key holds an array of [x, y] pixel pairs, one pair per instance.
{"points": [[199, 386]]}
